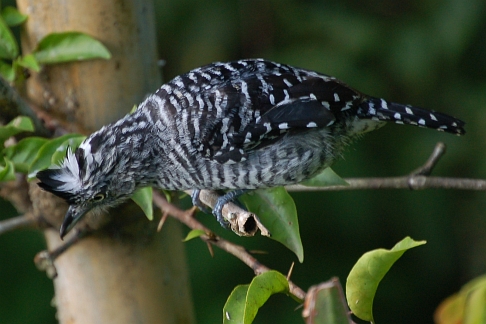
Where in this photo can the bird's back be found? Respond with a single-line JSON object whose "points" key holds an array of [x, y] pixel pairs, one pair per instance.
{"points": [[255, 123]]}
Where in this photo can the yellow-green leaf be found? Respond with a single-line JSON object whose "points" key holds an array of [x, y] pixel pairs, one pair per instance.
{"points": [[24, 152], [193, 234], [7, 172], [245, 301], [18, 125], [7, 71], [326, 178], [68, 47], [367, 273], [29, 62], [143, 198], [12, 16], [325, 303], [234, 309], [8, 45], [466, 307]]}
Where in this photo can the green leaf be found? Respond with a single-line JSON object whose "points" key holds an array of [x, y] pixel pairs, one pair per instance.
{"points": [[29, 62], [475, 310], [60, 153], [18, 125], [234, 309], [43, 159], [367, 273], [8, 45], [7, 172], [23, 153], [276, 210], [143, 198], [12, 16], [326, 178], [7, 71], [466, 306], [68, 47], [325, 303], [193, 234], [245, 301]]}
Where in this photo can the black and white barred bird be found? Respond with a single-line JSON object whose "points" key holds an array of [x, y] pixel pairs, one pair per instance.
{"points": [[236, 126]]}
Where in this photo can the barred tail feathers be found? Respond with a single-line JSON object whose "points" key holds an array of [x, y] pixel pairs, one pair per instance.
{"points": [[382, 110]]}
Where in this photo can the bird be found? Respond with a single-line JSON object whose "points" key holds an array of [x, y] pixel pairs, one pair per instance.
{"points": [[231, 126]]}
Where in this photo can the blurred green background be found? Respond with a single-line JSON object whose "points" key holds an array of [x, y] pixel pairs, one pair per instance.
{"points": [[430, 53]]}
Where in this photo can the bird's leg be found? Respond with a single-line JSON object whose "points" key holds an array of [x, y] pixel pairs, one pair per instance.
{"points": [[223, 200]]}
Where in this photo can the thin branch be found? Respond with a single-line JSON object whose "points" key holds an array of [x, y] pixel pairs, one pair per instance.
{"points": [[417, 180], [17, 222], [44, 260], [238, 251], [428, 166], [405, 182]]}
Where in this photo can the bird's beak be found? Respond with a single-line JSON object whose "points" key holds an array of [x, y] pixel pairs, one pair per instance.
{"points": [[73, 215]]}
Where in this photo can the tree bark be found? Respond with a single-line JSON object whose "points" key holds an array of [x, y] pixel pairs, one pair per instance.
{"points": [[126, 273]]}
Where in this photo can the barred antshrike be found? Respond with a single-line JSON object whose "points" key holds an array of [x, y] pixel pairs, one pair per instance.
{"points": [[236, 126]]}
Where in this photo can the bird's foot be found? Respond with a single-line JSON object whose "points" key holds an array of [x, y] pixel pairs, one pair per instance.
{"points": [[198, 203], [223, 200]]}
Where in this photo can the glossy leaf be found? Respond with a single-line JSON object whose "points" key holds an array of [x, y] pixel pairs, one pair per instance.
{"points": [[143, 198], [7, 171], [193, 234], [18, 125], [8, 45], [24, 152], [28, 62], [276, 210], [12, 16], [326, 178], [43, 159], [244, 302], [367, 273], [234, 309], [68, 47]]}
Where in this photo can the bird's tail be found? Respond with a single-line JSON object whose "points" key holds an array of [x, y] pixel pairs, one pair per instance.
{"points": [[382, 110]]}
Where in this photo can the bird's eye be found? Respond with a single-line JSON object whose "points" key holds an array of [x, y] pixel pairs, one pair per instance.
{"points": [[99, 197]]}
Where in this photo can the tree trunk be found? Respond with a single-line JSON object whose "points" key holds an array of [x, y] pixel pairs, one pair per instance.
{"points": [[127, 273]]}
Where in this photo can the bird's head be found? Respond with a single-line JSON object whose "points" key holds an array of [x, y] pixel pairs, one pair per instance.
{"points": [[93, 178]]}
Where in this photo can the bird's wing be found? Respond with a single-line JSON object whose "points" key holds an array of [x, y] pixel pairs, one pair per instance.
{"points": [[258, 109]]}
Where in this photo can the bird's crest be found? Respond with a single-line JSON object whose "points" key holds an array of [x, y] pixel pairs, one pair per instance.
{"points": [[63, 180]]}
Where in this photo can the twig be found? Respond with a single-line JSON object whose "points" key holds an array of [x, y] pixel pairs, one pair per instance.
{"points": [[426, 168], [238, 251], [17, 222], [44, 260]]}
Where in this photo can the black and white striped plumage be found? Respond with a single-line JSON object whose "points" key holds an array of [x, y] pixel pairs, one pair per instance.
{"points": [[239, 125]]}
